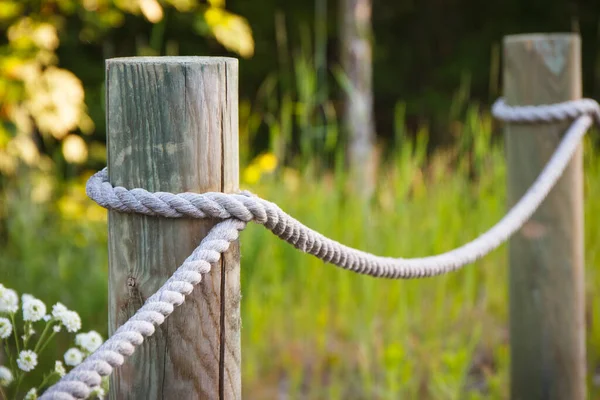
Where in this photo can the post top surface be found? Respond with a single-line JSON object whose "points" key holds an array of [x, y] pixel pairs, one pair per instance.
{"points": [[541, 37], [172, 60]]}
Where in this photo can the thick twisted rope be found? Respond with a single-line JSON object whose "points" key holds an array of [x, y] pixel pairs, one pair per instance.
{"points": [[248, 208], [81, 380], [238, 209], [546, 113]]}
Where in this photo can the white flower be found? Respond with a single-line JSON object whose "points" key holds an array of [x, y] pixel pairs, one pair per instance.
{"points": [[5, 328], [73, 357], [56, 328], [26, 297], [58, 309], [6, 377], [9, 301], [59, 368], [47, 317], [31, 395], [27, 360], [89, 341], [97, 393], [70, 319], [33, 309]]}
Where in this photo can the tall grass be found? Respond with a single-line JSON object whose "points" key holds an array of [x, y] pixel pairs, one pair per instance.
{"points": [[324, 333]]}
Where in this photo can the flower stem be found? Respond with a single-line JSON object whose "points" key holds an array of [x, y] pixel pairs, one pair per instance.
{"points": [[2, 393], [46, 379], [42, 336], [26, 334], [12, 317], [19, 383], [11, 360], [46, 344]]}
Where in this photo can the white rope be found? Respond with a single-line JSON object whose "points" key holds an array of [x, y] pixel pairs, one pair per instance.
{"points": [[546, 113], [238, 209], [82, 379]]}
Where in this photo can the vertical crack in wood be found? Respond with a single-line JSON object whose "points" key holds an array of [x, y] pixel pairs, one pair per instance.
{"points": [[164, 384], [223, 274], [222, 340]]}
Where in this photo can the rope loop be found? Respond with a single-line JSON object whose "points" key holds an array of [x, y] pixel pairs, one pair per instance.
{"points": [[546, 113]]}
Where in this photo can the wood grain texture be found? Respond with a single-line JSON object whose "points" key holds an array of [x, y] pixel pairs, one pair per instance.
{"points": [[172, 126], [546, 256]]}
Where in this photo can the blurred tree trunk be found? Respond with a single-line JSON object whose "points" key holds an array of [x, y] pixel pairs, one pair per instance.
{"points": [[356, 60]]}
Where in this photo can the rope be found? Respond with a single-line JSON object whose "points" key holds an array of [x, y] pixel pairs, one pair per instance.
{"points": [[546, 113], [238, 209], [79, 382]]}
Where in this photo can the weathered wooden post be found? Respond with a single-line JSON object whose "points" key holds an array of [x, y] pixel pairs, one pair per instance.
{"points": [[546, 256], [358, 119], [173, 126]]}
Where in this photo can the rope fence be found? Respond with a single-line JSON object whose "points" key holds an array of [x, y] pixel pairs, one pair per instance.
{"points": [[236, 210]]}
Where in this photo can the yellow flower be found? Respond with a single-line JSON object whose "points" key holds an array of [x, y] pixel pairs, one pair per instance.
{"points": [[55, 101], [183, 5], [151, 10], [231, 30], [267, 162], [25, 148], [26, 32], [45, 36], [251, 174], [74, 149]]}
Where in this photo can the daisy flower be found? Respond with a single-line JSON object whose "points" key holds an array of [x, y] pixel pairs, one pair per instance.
{"points": [[59, 368], [31, 395], [6, 377], [5, 328], [70, 319], [27, 360], [73, 357], [33, 309], [89, 341], [9, 301]]}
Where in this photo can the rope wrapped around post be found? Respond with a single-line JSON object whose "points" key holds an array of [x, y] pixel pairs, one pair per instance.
{"points": [[236, 210]]}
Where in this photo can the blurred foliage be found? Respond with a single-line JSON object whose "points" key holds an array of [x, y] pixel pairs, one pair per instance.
{"points": [[425, 49], [43, 112], [54, 50], [422, 50]]}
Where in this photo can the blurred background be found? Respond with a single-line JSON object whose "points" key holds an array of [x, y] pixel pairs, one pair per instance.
{"points": [[378, 109]]}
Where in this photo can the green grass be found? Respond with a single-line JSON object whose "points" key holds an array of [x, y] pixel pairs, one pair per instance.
{"points": [[320, 332], [333, 334], [311, 330]]}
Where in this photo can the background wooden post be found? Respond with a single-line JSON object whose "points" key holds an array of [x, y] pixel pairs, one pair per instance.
{"points": [[546, 256], [173, 126], [358, 120]]}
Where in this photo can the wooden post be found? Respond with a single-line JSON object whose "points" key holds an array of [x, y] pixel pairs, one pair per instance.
{"points": [[173, 126], [359, 122], [546, 256]]}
